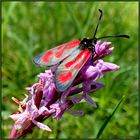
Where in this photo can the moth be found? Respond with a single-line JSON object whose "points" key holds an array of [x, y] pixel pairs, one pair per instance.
{"points": [[70, 57]]}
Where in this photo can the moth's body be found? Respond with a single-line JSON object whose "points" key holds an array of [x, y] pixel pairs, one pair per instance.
{"points": [[70, 58]]}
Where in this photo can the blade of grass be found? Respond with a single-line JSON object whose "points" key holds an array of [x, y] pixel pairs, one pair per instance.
{"points": [[77, 23], [108, 119], [89, 17], [5, 21]]}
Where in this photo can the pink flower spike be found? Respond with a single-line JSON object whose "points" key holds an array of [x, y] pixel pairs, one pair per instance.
{"points": [[45, 100]]}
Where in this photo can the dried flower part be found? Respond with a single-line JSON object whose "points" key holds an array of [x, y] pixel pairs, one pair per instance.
{"points": [[44, 101]]}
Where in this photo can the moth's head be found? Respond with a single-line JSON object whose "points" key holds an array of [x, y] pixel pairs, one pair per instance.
{"points": [[86, 42]]}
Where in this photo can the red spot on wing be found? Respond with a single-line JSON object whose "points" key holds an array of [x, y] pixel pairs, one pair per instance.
{"points": [[78, 66], [80, 59], [73, 44], [60, 47], [46, 56], [69, 64], [68, 45], [58, 54], [83, 53], [63, 78]]}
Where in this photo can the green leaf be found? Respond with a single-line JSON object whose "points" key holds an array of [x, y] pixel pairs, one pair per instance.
{"points": [[109, 118]]}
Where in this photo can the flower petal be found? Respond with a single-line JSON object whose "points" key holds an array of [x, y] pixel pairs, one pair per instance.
{"points": [[109, 67], [89, 100], [103, 49], [93, 72], [42, 126], [76, 99], [75, 112], [15, 117], [19, 123], [95, 86]]}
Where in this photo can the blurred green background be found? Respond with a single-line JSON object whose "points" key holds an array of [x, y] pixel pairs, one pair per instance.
{"points": [[28, 28]]}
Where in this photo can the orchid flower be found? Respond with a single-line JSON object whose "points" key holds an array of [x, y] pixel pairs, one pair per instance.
{"points": [[45, 101]]}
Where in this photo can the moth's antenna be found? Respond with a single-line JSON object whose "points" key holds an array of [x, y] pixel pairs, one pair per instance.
{"points": [[110, 36], [101, 13]]}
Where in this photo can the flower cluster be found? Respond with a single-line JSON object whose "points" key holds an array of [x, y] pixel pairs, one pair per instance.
{"points": [[45, 101]]}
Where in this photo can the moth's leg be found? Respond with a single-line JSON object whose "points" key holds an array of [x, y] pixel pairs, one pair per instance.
{"points": [[93, 54], [93, 50]]}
